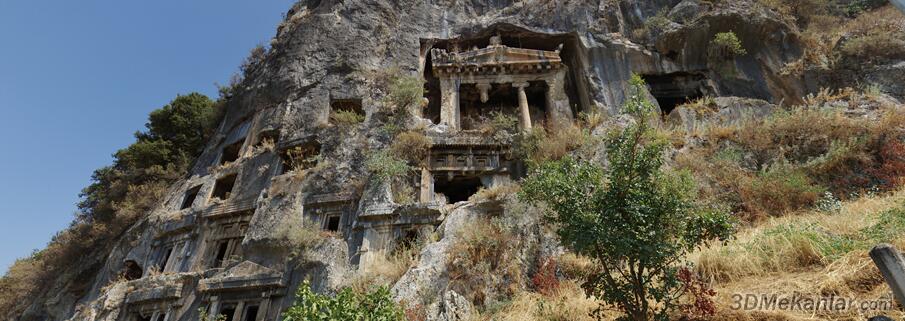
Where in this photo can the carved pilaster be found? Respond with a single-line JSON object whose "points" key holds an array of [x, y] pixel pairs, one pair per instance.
{"points": [[524, 113]]}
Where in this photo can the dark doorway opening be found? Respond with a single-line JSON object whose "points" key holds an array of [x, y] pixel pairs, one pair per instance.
{"points": [[251, 313], [457, 189], [268, 137], [332, 224], [165, 259], [131, 270], [502, 98], [231, 152], [672, 90], [224, 187], [347, 105], [221, 254], [228, 312], [190, 196]]}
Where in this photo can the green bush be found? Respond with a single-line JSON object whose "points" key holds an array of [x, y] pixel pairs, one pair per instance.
{"points": [[375, 305], [405, 92], [385, 166], [725, 46], [635, 220]]}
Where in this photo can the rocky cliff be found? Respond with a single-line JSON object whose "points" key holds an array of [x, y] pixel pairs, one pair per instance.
{"points": [[225, 237]]}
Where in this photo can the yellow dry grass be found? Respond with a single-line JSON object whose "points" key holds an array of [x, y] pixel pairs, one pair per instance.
{"points": [[568, 303], [761, 263]]}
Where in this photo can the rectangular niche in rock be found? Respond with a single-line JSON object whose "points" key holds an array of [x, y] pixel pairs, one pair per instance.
{"points": [[332, 223], [224, 187], [347, 106], [190, 197], [231, 152], [300, 157], [268, 138]]}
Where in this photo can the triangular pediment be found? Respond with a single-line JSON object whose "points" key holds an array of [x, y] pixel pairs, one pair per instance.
{"points": [[496, 55]]}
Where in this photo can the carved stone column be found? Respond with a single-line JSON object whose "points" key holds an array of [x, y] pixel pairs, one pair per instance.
{"points": [[524, 113], [214, 307], [449, 103], [237, 315]]}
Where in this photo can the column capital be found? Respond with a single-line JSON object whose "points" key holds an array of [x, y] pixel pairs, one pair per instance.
{"points": [[520, 85]]}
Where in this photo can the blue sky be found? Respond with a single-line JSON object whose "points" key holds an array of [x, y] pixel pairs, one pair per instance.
{"points": [[78, 78]]}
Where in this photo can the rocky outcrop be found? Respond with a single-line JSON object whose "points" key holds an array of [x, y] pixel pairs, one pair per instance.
{"points": [[215, 233]]}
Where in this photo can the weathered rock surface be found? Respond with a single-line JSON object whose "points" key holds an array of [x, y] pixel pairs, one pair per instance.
{"points": [[223, 251]]}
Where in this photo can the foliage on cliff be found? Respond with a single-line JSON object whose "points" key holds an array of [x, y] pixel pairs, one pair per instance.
{"points": [[634, 219]]}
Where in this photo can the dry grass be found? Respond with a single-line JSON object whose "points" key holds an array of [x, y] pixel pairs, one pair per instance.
{"points": [[568, 303], [483, 264], [385, 269], [297, 235], [346, 118], [575, 266], [496, 193], [411, 146], [782, 256], [802, 242], [831, 37], [539, 146]]}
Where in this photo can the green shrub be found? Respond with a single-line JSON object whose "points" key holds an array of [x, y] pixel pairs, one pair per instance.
{"points": [[405, 92], [386, 166], [653, 26], [725, 46], [635, 220], [376, 305]]}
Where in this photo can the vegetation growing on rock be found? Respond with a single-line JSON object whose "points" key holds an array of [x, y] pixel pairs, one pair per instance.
{"points": [[636, 221]]}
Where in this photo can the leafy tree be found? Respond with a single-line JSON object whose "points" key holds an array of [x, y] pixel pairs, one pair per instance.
{"points": [[376, 305], [175, 135], [634, 219]]}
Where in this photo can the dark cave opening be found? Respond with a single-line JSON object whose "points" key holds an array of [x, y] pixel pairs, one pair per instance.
{"points": [[674, 89], [231, 152], [190, 197], [457, 189], [223, 188], [132, 270]]}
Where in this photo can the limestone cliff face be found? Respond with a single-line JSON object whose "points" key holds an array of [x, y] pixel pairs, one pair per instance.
{"points": [[215, 238]]}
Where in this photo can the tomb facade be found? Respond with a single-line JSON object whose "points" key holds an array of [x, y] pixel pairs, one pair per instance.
{"points": [[473, 83]]}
